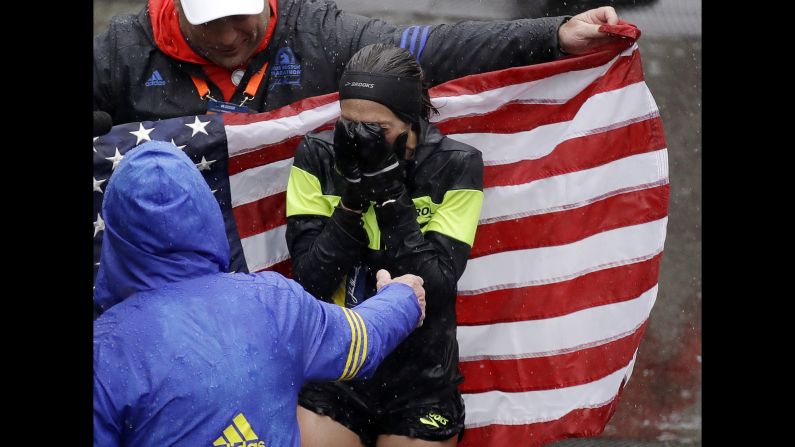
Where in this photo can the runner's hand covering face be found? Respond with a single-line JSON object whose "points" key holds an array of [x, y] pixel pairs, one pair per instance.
{"points": [[382, 173], [345, 151], [374, 152], [347, 165]]}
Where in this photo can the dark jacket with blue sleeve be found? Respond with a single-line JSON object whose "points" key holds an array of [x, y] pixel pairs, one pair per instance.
{"points": [[311, 43]]}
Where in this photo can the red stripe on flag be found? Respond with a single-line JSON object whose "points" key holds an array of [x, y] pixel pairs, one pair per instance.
{"points": [[285, 268], [264, 155], [487, 81], [261, 215], [567, 226], [578, 423], [516, 116], [597, 288], [237, 119], [581, 153], [270, 153], [551, 372]]}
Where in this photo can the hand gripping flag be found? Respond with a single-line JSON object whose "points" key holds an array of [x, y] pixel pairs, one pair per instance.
{"points": [[564, 268]]}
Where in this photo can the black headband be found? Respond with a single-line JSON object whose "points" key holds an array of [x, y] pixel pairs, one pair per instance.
{"points": [[400, 93]]}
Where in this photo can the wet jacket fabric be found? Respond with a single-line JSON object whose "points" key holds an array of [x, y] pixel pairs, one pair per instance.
{"points": [[134, 80], [190, 355], [428, 232]]}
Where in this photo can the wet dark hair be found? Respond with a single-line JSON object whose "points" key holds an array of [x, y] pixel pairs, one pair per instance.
{"points": [[389, 59]]}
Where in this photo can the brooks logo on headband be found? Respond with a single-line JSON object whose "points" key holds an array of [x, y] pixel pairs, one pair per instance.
{"points": [[399, 93], [359, 84]]}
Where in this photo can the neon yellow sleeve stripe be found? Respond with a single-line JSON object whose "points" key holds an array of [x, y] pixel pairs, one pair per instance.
{"points": [[364, 351], [353, 340], [458, 215], [304, 195], [356, 360]]}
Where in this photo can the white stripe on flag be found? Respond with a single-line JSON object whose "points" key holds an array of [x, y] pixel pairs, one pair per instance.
{"points": [[260, 182], [586, 328], [631, 366], [557, 88], [243, 137], [265, 249], [601, 112], [574, 189], [546, 265], [497, 407]]}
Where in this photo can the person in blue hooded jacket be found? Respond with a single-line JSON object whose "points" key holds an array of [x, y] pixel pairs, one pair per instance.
{"points": [[191, 355]]}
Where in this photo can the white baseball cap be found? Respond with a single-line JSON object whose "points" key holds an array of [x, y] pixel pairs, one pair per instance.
{"points": [[203, 11]]}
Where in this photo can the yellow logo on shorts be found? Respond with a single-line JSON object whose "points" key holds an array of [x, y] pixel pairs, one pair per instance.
{"points": [[434, 420], [239, 434]]}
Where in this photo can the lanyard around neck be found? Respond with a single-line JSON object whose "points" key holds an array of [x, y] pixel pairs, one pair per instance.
{"points": [[251, 88]]}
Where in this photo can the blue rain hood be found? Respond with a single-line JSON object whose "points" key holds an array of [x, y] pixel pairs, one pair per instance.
{"points": [[162, 224]]}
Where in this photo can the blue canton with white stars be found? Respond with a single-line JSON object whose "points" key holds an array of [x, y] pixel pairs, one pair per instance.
{"points": [[202, 138]]}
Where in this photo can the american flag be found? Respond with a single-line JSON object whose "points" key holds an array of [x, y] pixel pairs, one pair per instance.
{"points": [[564, 268]]}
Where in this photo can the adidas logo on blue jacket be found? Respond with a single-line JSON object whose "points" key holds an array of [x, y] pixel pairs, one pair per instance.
{"points": [[155, 79]]}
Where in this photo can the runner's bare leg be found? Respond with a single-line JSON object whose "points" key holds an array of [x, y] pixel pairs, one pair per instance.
{"points": [[322, 431], [403, 441]]}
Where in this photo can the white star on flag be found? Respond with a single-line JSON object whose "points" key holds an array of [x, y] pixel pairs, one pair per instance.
{"points": [[97, 184], [142, 134], [175, 144], [198, 126], [204, 165], [115, 159], [99, 225]]}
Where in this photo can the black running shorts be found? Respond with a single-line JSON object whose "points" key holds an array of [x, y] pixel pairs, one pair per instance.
{"points": [[370, 413]]}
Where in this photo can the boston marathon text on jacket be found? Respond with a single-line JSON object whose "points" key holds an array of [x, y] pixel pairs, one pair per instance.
{"points": [[430, 235], [192, 356], [135, 81]]}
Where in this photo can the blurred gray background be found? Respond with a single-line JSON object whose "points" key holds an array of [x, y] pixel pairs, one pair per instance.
{"points": [[661, 406]]}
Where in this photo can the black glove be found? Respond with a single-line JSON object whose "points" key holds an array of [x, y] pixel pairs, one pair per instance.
{"points": [[383, 173], [347, 165], [345, 162]]}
